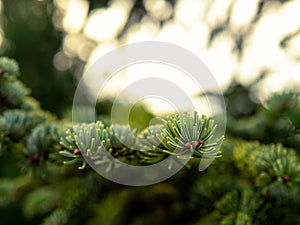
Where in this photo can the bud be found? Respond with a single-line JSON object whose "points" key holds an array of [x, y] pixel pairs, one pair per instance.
{"points": [[77, 152]]}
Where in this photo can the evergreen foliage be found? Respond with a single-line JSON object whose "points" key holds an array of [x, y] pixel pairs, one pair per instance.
{"points": [[256, 181]]}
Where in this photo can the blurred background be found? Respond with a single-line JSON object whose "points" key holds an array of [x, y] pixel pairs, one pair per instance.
{"points": [[251, 47], [55, 41]]}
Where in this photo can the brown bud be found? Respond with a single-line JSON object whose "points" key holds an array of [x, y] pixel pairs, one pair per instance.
{"points": [[201, 142], [33, 159], [77, 152], [195, 144], [188, 144], [286, 178]]}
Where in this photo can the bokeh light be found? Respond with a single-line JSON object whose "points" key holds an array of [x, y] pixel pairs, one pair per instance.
{"points": [[229, 36]]}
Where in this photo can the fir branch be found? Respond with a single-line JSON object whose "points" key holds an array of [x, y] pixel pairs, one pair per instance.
{"points": [[41, 141], [8, 67], [122, 137], [12, 93], [88, 139], [183, 133], [29, 104], [263, 174], [17, 123], [240, 207], [276, 121], [279, 172]]}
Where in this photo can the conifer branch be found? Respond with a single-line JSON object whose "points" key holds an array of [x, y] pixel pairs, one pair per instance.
{"points": [[180, 134]]}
